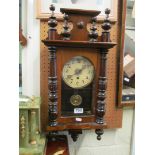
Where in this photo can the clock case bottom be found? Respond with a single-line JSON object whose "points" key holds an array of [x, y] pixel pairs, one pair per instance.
{"points": [[75, 129]]}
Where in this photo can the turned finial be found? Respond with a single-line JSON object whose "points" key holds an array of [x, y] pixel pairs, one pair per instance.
{"points": [[66, 33], [93, 33], [52, 24], [107, 11], [106, 26], [52, 7], [99, 132]]}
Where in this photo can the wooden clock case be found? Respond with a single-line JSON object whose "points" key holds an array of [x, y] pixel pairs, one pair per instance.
{"points": [[70, 43]]}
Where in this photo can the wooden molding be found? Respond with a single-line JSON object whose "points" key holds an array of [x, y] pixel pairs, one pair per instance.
{"points": [[84, 44]]}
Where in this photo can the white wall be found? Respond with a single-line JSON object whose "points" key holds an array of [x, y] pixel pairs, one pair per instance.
{"points": [[114, 141], [31, 53]]}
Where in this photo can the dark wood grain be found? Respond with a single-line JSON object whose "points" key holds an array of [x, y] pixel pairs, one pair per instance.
{"points": [[84, 126], [52, 88], [102, 81], [80, 11], [79, 44]]}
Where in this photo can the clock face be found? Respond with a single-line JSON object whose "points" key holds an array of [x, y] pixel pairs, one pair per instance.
{"points": [[78, 72]]}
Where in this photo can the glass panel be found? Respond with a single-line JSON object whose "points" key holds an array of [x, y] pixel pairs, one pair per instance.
{"points": [[77, 83], [128, 92]]}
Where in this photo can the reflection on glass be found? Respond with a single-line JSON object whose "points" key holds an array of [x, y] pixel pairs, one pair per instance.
{"points": [[54, 1], [128, 92], [85, 2], [100, 5]]}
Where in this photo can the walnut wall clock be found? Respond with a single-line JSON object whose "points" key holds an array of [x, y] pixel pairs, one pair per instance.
{"points": [[77, 79]]}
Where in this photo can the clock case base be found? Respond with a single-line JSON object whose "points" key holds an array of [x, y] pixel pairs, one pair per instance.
{"points": [[74, 129]]}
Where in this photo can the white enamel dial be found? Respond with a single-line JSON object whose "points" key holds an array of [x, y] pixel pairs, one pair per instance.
{"points": [[78, 72]]}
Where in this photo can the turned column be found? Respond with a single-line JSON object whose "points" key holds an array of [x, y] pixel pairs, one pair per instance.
{"points": [[52, 88], [52, 79], [101, 96], [102, 81], [102, 87]]}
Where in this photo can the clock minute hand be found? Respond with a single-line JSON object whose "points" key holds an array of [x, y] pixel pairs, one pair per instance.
{"points": [[77, 71], [83, 67]]}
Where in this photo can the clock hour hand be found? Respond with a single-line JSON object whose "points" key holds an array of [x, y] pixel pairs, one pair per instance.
{"points": [[77, 71], [69, 76]]}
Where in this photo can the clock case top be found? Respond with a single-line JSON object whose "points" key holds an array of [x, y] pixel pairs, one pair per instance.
{"points": [[79, 34], [78, 38]]}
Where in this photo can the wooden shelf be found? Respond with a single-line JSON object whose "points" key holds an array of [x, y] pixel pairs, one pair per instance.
{"points": [[79, 44]]}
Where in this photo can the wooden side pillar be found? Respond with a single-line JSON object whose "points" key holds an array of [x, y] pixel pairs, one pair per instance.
{"points": [[52, 88], [101, 97], [52, 79], [100, 111]]}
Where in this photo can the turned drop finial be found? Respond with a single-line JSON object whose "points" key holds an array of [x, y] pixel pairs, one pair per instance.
{"points": [[99, 132]]}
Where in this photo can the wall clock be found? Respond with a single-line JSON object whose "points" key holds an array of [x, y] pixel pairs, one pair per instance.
{"points": [[77, 79]]}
